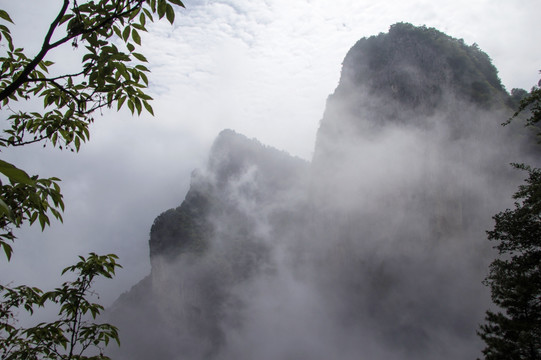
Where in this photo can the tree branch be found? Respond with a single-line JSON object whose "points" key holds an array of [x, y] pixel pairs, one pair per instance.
{"points": [[21, 143], [47, 46], [101, 24], [11, 88]]}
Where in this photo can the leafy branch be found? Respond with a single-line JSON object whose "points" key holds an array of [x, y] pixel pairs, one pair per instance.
{"points": [[108, 76], [75, 331]]}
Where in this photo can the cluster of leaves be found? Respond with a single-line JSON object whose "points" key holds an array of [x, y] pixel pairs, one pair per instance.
{"points": [[26, 198], [109, 75], [515, 278], [532, 102], [74, 333]]}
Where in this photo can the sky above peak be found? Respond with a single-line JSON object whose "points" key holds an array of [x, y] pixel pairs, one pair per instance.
{"points": [[262, 68]]}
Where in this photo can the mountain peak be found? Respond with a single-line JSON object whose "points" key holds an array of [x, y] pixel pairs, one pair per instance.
{"points": [[375, 250], [411, 76], [417, 65]]}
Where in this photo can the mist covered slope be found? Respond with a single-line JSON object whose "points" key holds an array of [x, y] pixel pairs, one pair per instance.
{"points": [[374, 250]]}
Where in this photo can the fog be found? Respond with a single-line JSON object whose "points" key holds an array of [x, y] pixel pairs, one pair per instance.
{"points": [[376, 249], [256, 67], [373, 249]]}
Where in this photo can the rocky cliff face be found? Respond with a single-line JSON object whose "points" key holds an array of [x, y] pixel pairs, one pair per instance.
{"points": [[416, 116], [375, 250], [214, 241], [238, 168]]}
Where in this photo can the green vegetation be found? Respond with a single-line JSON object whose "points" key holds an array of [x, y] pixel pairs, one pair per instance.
{"points": [[108, 76], [515, 277], [111, 74], [424, 62], [531, 103], [187, 222], [73, 334]]}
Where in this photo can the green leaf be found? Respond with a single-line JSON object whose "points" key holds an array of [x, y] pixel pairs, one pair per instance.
{"points": [[65, 18], [43, 67], [140, 57], [148, 14], [139, 27], [7, 249], [43, 220], [170, 13], [15, 174], [117, 31], [126, 33], [4, 209], [138, 106], [177, 2], [120, 102], [4, 15], [135, 36], [142, 19], [145, 78], [148, 107], [162, 5], [33, 218], [130, 105]]}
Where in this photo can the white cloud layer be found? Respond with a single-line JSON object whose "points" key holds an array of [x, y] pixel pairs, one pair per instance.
{"points": [[262, 68]]}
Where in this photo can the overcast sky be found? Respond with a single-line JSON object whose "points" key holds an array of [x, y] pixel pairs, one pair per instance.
{"points": [[261, 67]]}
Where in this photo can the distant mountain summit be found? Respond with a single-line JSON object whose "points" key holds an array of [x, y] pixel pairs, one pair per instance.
{"points": [[374, 250], [209, 244], [236, 163], [418, 66], [410, 76]]}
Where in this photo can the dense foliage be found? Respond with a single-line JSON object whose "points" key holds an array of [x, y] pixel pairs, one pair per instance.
{"points": [[74, 333], [515, 277], [425, 62], [111, 73]]}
